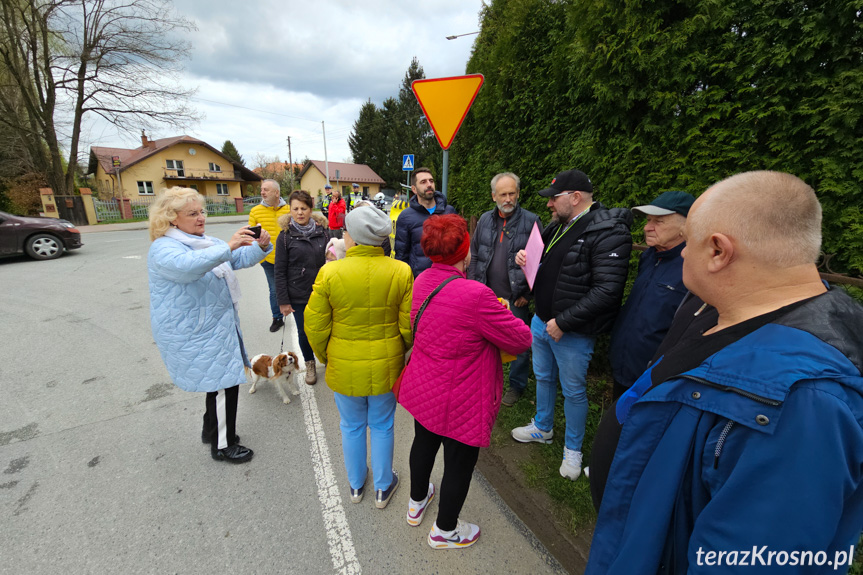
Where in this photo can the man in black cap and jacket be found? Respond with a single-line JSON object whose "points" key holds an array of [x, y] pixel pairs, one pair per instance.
{"points": [[578, 290]]}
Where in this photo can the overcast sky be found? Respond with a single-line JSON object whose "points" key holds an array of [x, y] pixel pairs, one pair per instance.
{"points": [[269, 69]]}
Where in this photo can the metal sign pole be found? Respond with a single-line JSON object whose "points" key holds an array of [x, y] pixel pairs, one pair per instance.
{"points": [[445, 177]]}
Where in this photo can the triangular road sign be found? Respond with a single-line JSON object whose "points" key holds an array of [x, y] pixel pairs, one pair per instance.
{"points": [[445, 102]]}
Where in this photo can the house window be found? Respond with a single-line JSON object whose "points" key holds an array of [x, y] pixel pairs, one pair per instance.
{"points": [[365, 190], [215, 167], [194, 186], [221, 189], [346, 190], [145, 188], [176, 165]]}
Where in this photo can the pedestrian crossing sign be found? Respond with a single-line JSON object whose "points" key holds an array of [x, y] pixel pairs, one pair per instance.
{"points": [[407, 163]]}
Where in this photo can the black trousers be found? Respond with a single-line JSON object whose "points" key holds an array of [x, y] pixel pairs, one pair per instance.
{"points": [[617, 390], [459, 461], [220, 419]]}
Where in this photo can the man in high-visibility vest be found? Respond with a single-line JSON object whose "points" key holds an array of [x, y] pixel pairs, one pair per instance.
{"points": [[325, 201]]}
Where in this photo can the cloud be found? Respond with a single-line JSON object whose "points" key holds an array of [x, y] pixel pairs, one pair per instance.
{"points": [[330, 48], [266, 70]]}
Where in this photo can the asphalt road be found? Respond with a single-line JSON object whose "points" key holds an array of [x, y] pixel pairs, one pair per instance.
{"points": [[102, 469]]}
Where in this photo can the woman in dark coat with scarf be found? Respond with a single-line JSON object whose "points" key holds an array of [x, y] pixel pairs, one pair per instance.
{"points": [[300, 254]]}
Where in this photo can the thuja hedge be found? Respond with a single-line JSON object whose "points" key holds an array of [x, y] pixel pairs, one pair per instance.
{"points": [[650, 96]]}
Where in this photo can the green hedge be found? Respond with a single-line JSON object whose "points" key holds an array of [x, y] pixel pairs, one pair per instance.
{"points": [[649, 96]]}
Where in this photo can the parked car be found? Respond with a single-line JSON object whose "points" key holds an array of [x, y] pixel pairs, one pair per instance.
{"points": [[39, 238]]}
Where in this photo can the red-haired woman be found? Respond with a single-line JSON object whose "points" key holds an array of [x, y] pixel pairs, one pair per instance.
{"points": [[454, 381]]}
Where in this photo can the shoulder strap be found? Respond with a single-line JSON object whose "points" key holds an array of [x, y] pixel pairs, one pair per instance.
{"points": [[428, 299]]}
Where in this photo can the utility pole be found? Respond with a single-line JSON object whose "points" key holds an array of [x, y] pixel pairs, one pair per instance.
{"points": [[291, 163], [326, 162]]}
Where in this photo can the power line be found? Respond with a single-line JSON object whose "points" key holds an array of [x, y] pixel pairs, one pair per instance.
{"points": [[253, 109]]}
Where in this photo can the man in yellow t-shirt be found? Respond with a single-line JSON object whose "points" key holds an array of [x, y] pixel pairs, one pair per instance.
{"points": [[267, 214]]}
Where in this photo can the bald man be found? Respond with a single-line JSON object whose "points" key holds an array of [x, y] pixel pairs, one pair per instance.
{"points": [[743, 444]]}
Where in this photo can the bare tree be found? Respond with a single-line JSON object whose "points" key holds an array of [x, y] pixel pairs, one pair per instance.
{"points": [[118, 59]]}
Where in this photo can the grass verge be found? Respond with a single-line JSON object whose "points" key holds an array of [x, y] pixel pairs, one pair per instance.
{"points": [[540, 462]]}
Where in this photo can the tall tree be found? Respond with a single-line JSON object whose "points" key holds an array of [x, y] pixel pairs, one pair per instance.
{"points": [[118, 59], [366, 139], [230, 150], [382, 135], [415, 133]]}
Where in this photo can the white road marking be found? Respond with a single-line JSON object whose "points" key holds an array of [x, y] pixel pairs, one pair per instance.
{"points": [[338, 530], [131, 257]]}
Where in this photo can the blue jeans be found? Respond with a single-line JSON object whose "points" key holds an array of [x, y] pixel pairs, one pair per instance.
{"points": [[377, 412], [518, 369], [569, 359], [305, 347], [270, 270]]}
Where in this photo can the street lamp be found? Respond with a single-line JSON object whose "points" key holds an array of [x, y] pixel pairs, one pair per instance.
{"points": [[460, 35]]}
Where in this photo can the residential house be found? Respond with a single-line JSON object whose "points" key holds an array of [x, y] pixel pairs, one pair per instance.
{"points": [[164, 163], [341, 176]]}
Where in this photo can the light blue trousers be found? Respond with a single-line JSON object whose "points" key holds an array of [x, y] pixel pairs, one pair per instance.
{"points": [[376, 412]]}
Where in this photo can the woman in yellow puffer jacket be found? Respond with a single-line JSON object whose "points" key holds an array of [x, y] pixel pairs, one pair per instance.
{"points": [[358, 323]]}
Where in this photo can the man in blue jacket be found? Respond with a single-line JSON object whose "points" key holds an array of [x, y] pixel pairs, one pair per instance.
{"points": [[500, 234], [742, 445], [409, 226], [656, 293]]}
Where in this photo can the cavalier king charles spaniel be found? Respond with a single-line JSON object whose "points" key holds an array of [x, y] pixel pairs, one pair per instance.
{"points": [[279, 369]]}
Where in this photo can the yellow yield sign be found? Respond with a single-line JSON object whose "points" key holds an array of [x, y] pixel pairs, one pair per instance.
{"points": [[445, 102]]}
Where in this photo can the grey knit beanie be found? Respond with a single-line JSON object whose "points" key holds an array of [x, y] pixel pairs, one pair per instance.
{"points": [[368, 226]]}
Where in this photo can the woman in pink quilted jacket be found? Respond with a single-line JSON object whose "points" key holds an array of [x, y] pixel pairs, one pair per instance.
{"points": [[454, 381]]}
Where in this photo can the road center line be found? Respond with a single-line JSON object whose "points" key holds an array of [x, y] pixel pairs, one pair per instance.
{"points": [[338, 531]]}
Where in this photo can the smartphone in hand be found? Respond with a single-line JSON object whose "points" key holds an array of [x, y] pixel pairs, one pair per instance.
{"points": [[256, 231]]}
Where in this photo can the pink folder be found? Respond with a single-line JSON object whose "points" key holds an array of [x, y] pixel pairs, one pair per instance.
{"points": [[533, 254]]}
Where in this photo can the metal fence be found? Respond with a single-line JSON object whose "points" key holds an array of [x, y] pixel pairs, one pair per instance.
{"points": [[107, 210], [141, 207], [251, 201], [220, 206]]}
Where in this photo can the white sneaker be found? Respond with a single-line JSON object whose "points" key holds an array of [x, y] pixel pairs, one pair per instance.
{"points": [[586, 472], [417, 509], [464, 535], [530, 433], [311, 372], [571, 466]]}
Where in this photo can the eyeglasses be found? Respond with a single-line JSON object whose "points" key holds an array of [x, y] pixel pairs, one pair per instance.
{"points": [[563, 194], [196, 214]]}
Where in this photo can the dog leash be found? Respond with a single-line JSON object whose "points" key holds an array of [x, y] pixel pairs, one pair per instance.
{"points": [[284, 326]]}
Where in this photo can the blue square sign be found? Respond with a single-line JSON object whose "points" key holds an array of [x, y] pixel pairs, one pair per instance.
{"points": [[407, 163]]}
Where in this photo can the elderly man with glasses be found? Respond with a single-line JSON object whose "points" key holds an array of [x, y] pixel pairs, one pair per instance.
{"points": [[578, 290]]}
